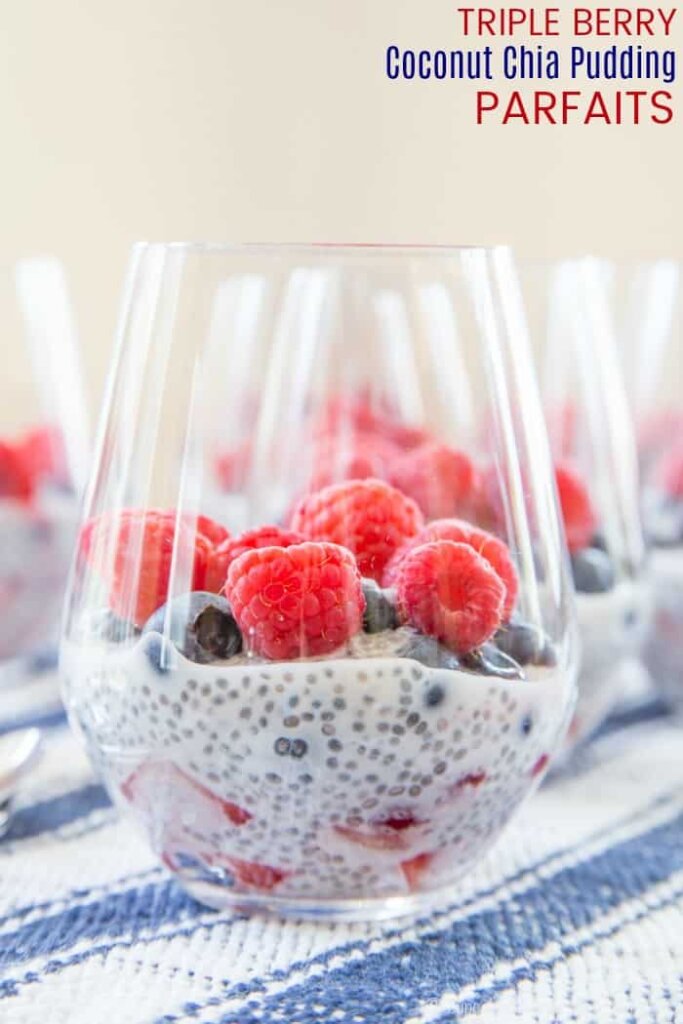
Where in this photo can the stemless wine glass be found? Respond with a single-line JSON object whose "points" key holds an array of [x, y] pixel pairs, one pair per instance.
{"points": [[648, 307], [43, 451], [315, 684], [593, 447]]}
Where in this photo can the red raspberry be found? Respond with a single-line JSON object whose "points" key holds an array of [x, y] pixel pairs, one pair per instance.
{"points": [[16, 480], [370, 518], [440, 479], [580, 522], [43, 452], [360, 457], [297, 601], [668, 473], [143, 544], [448, 591], [496, 553], [231, 466], [262, 537], [214, 532], [415, 869]]}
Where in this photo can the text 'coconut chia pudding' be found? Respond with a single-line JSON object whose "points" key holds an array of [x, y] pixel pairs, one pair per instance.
{"points": [[348, 708]]}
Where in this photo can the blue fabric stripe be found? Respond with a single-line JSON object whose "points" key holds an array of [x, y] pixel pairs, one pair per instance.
{"points": [[47, 815], [533, 968], [402, 978], [117, 914]]}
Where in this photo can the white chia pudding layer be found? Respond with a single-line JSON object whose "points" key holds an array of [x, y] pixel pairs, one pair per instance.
{"points": [[612, 626], [344, 777], [664, 648]]}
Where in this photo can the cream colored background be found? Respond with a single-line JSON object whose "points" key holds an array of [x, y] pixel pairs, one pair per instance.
{"points": [[258, 120]]}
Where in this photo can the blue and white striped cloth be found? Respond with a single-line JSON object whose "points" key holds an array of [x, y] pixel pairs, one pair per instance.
{"points": [[577, 916]]}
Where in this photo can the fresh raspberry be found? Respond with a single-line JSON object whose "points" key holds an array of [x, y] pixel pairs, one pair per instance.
{"points": [[252, 875], [161, 782], [448, 591], [440, 479], [415, 869], [580, 522], [297, 601], [231, 466], [496, 553], [143, 550], [668, 472], [393, 832], [370, 518], [262, 537], [43, 452], [16, 480], [358, 457], [214, 532]]}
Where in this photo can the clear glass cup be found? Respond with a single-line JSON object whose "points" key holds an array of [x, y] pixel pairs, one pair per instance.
{"points": [[647, 304], [320, 692], [43, 453], [593, 447]]}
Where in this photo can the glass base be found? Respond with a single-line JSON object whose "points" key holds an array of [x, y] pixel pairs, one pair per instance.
{"points": [[220, 897]]}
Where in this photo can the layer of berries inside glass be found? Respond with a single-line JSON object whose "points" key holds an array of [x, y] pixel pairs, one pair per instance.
{"points": [[393, 532]]}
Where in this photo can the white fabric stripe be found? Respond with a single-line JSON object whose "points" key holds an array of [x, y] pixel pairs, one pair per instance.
{"points": [[644, 952]]}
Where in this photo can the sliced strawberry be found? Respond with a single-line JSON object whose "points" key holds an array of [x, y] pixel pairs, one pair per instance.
{"points": [[155, 781], [253, 875], [415, 869], [389, 833], [540, 765]]}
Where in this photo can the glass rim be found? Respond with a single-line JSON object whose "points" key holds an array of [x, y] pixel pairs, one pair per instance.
{"points": [[441, 250]]}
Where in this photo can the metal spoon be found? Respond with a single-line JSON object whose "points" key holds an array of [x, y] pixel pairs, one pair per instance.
{"points": [[19, 753]]}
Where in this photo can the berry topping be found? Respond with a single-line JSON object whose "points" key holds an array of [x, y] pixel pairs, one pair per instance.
{"points": [[428, 651], [577, 511], [16, 480], [262, 537], [415, 868], [440, 479], [593, 571], [449, 591], [296, 602], [496, 553], [668, 471], [369, 517], [525, 643], [134, 551], [201, 625], [358, 457], [107, 626], [488, 660], [42, 450], [214, 532], [380, 609]]}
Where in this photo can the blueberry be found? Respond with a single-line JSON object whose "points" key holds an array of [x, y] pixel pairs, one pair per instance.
{"points": [[201, 626], [593, 571], [525, 644], [428, 651], [599, 542], [108, 626], [159, 654], [380, 611], [488, 660]]}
